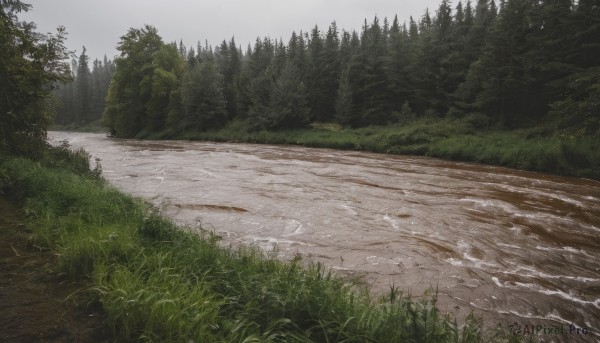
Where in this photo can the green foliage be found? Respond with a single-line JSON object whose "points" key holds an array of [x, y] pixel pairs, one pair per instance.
{"points": [[202, 98], [344, 109], [160, 87], [30, 66], [579, 110], [289, 106], [146, 75]]}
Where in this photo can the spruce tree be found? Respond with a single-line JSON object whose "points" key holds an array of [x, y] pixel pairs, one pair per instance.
{"points": [[369, 76], [315, 82], [202, 98], [344, 109], [331, 73], [82, 89], [399, 67], [229, 66], [508, 91], [260, 80], [289, 106]]}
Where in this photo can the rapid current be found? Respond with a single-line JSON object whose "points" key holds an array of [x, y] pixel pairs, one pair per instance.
{"points": [[517, 248]]}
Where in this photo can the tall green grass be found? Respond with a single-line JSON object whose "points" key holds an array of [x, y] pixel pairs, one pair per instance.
{"points": [[161, 283]]}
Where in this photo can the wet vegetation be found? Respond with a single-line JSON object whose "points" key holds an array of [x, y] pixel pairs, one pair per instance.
{"points": [[160, 282]]}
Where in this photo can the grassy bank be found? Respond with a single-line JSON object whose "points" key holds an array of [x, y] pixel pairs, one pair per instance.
{"points": [[470, 139], [157, 282]]}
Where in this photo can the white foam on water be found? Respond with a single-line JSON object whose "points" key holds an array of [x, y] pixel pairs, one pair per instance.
{"points": [[453, 261], [394, 223], [466, 248], [491, 203], [536, 273], [293, 228], [369, 258], [479, 263], [349, 209], [567, 249], [512, 246], [571, 297], [565, 199], [542, 290], [277, 241]]}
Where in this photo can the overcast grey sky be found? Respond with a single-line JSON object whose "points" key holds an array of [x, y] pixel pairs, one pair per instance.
{"points": [[99, 24]]}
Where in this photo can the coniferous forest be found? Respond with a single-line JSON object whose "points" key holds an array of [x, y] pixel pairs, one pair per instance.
{"points": [[504, 65]]}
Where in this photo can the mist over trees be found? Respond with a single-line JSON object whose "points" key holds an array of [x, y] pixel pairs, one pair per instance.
{"points": [[82, 101], [514, 62]]}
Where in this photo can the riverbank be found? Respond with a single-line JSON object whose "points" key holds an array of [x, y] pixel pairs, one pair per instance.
{"points": [[158, 282], [470, 139], [33, 300]]}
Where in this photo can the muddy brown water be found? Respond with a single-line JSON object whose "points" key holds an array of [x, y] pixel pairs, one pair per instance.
{"points": [[516, 247]]}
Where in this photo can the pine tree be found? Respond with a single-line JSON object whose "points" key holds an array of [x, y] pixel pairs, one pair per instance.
{"points": [[400, 66], [202, 98], [575, 95], [423, 98], [331, 73], [297, 53], [229, 65], [371, 86], [279, 59], [479, 21], [344, 108], [82, 89], [508, 91], [445, 59], [314, 77], [98, 91], [289, 106], [260, 80], [346, 50]]}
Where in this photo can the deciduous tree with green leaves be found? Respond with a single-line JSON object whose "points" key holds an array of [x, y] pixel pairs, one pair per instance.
{"points": [[31, 64], [125, 113]]}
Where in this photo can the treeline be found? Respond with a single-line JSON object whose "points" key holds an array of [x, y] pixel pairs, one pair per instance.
{"points": [[82, 101], [516, 63]]}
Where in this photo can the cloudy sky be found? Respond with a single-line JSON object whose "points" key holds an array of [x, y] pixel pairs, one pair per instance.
{"points": [[99, 24]]}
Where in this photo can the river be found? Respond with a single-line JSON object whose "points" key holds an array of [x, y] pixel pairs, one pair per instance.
{"points": [[516, 247]]}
